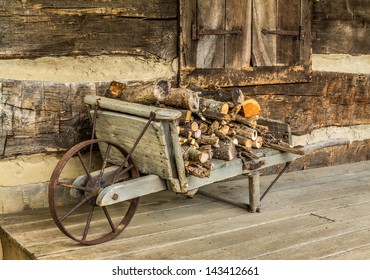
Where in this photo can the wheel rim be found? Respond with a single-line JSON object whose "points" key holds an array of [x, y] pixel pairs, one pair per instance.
{"points": [[73, 203]]}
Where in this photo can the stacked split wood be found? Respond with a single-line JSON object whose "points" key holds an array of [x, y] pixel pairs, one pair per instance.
{"points": [[218, 130], [208, 129]]}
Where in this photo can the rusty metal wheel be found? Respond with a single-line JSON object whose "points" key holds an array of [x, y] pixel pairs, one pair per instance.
{"points": [[72, 202]]}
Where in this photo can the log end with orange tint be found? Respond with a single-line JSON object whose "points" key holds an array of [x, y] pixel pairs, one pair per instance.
{"points": [[250, 108]]}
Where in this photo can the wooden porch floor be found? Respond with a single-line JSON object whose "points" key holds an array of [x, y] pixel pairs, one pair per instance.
{"points": [[320, 213]]}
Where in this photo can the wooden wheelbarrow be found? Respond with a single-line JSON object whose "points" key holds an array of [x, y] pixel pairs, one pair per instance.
{"points": [[139, 155]]}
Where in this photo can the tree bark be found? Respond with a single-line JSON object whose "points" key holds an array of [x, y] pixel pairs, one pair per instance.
{"points": [[244, 141], [217, 116], [206, 104], [182, 98], [142, 92], [209, 140], [226, 151], [251, 121]]}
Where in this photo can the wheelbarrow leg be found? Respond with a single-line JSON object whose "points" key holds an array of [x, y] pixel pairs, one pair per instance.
{"points": [[254, 192], [254, 188]]}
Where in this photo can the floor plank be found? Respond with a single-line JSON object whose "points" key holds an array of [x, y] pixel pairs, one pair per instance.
{"points": [[311, 214]]}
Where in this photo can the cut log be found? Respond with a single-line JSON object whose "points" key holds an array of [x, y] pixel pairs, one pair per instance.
{"points": [[244, 141], [262, 128], [213, 127], [183, 140], [225, 151], [205, 148], [284, 148], [209, 140], [226, 137], [185, 132], [217, 116], [250, 108], [198, 171], [258, 143], [251, 121], [193, 155], [224, 129], [247, 132], [206, 104], [208, 165], [202, 125], [143, 92], [190, 142], [231, 132], [192, 126], [236, 96], [235, 111], [201, 117], [186, 116], [197, 134], [182, 98]]}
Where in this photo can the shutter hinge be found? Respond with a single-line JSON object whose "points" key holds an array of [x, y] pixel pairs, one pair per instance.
{"points": [[196, 32], [300, 33]]}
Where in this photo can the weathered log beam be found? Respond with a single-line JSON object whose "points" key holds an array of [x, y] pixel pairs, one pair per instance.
{"points": [[50, 28]]}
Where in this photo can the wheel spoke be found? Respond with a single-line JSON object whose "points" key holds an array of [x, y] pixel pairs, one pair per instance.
{"points": [[88, 222], [90, 158], [85, 168], [70, 212], [104, 164], [109, 219], [71, 186], [120, 171]]}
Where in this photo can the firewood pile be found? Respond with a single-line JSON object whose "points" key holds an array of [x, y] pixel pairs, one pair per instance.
{"points": [[215, 126]]}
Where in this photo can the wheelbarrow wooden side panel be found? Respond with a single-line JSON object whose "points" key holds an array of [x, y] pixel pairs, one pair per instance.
{"points": [[154, 153]]}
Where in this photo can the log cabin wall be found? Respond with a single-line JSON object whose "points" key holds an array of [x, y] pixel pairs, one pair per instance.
{"points": [[53, 53]]}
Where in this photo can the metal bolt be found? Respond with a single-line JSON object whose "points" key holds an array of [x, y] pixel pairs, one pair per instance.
{"points": [[115, 196]]}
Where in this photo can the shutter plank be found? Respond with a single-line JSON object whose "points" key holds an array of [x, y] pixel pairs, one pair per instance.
{"points": [[306, 22], [211, 48], [188, 11], [264, 46], [289, 18], [238, 47]]}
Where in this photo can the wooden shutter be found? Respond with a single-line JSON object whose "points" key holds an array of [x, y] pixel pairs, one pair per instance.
{"points": [[244, 42]]}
